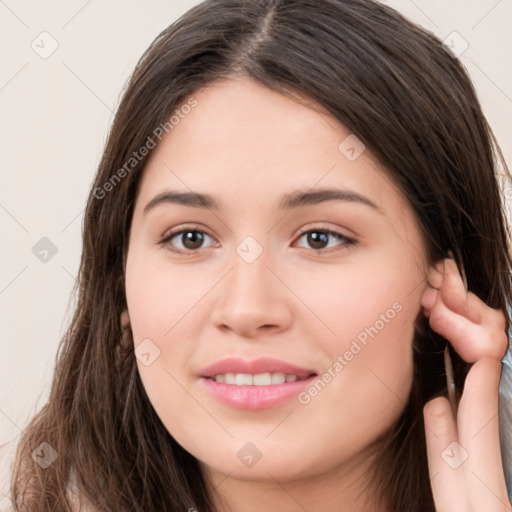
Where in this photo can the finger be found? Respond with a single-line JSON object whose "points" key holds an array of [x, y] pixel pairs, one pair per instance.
{"points": [[455, 295], [471, 341], [444, 457], [476, 310], [435, 278], [478, 428]]}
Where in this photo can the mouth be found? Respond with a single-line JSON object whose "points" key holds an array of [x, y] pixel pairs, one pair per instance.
{"points": [[257, 384]]}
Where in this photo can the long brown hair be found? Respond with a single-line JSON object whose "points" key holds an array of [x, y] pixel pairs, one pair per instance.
{"points": [[388, 81]]}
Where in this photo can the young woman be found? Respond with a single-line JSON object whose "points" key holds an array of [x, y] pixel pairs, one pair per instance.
{"points": [[294, 281]]}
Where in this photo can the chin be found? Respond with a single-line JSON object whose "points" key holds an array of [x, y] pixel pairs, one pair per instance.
{"points": [[283, 471]]}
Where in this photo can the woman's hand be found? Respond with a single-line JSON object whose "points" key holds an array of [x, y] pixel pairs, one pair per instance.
{"points": [[464, 452]]}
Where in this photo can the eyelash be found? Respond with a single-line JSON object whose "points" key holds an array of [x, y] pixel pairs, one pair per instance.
{"points": [[348, 242]]}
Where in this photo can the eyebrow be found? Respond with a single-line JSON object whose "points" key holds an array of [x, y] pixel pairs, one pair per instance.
{"points": [[296, 199]]}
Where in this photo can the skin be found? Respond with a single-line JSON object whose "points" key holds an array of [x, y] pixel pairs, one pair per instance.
{"points": [[478, 334], [248, 146]]}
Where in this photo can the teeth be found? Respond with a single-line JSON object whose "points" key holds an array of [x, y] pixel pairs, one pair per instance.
{"points": [[243, 379], [229, 378], [278, 378], [260, 379]]}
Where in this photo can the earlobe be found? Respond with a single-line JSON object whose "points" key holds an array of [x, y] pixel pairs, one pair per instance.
{"points": [[125, 319]]}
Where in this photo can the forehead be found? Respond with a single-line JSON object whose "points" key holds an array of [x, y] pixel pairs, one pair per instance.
{"points": [[240, 115], [248, 143]]}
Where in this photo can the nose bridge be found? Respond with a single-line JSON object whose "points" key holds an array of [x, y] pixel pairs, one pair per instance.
{"points": [[250, 275], [251, 295]]}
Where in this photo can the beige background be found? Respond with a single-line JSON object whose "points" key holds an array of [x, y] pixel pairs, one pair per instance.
{"points": [[55, 114]]}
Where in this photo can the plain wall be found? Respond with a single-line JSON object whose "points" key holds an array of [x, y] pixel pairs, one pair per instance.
{"points": [[55, 113]]}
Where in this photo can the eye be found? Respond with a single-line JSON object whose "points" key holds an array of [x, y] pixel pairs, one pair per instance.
{"points": [[190, 238], [318, 238]]}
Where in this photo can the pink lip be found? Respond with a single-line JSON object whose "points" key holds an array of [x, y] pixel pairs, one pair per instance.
{"points": [[255, 397]]}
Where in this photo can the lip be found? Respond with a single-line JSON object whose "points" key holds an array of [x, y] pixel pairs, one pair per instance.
{"points": [[255, 397], [255, 366]]}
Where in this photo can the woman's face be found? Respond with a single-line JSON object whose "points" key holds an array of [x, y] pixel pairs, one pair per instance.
{"points": [[257, 280]]}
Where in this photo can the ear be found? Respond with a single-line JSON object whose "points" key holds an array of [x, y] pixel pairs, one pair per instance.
{"points": [[433, 282], [125, 319], [435, 274]]}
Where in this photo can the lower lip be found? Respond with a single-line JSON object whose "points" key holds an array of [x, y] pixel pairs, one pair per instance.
{"points": [[256, 397]]}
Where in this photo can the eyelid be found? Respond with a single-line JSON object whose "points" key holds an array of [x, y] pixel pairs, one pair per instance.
{"points": [[324, 227], [190, 227]]}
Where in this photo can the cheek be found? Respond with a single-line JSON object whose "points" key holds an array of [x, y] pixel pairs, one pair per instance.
{"points": [[159, 326], [363, 303], [370, 374], [161, 303], [164, 325], [370, 316]]}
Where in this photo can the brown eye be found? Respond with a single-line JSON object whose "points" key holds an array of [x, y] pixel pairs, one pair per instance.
{"points": [[318, 239], [186, 240], [192, 239]]}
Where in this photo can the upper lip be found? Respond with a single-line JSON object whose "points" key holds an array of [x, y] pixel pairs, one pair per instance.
{"points": [[254, 367]]}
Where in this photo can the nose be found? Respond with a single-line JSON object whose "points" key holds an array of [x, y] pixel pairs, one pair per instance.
{"points": [[252, 299]]}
